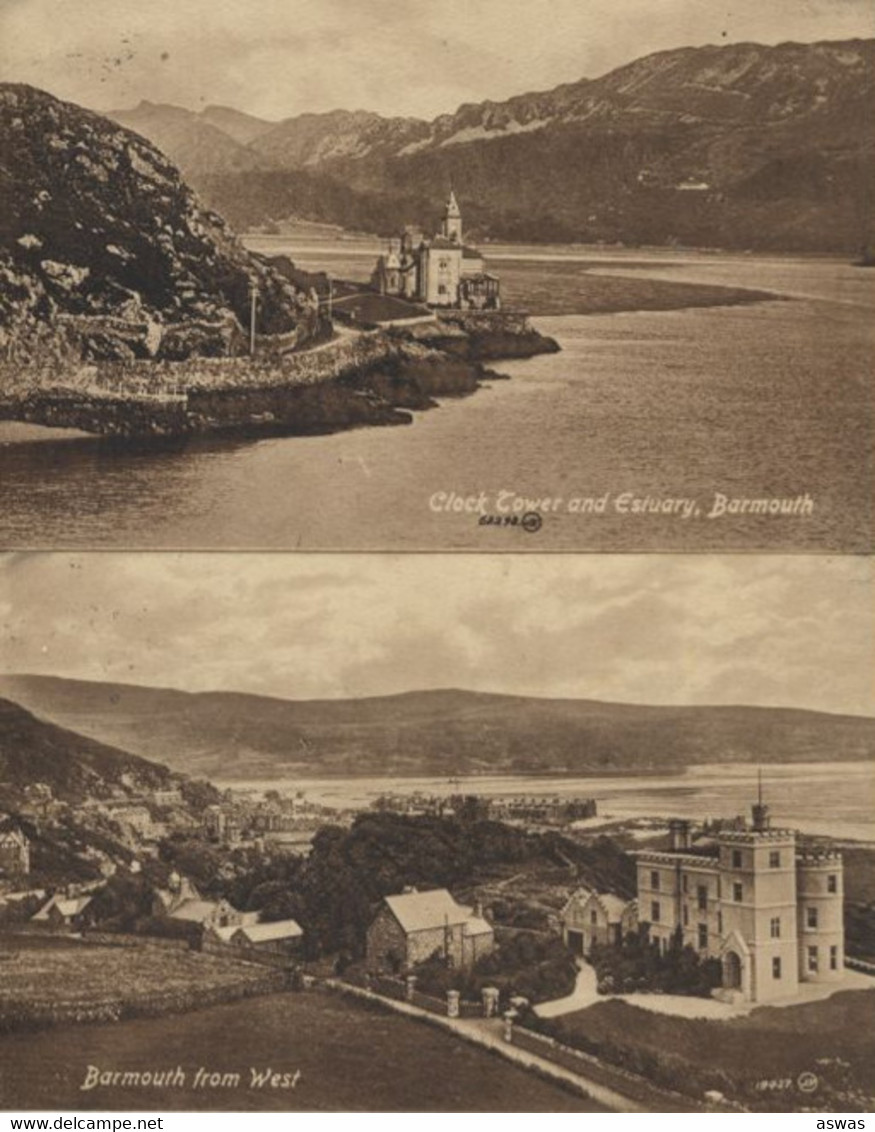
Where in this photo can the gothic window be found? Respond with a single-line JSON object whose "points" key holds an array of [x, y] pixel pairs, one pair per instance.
{"points": [[736, 858], [811, 917], [737, 893], [775, 927], [654, 881], [832, 883], [702, 897], [703, 936], [654, 911], [776, 968], [774, 859]]}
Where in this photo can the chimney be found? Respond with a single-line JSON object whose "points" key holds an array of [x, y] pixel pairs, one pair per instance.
{"points": [[679, 833]]}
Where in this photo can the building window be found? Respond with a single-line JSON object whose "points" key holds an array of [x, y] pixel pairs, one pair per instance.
{"points": [[811, 917], [686, 915], [776, 968], [593, 917], [703, 936], [812, 960], [775, 927], [833, 958], [654, 912], [774, 859], [737, 893], [736, 858], [720, 923], [832, 883], [702, 895], [686, 884], [654, 881]]}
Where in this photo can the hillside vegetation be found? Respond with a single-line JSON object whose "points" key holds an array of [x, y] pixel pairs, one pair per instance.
{"points": [[442, 732], [739, 146]]}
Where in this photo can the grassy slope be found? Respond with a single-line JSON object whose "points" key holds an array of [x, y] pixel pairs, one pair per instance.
{"points": [[770, 1043], [438, 732], [351, 1058]]}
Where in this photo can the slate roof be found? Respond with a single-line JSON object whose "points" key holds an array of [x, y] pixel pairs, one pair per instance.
{"points": [[420, 911], [68, 907], [280, 929], [615, 906]]}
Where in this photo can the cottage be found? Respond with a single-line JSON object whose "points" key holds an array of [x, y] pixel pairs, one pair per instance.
{"points": [[182, 901], [596, 918], [413, 926], [14, 852], [64, 912]]}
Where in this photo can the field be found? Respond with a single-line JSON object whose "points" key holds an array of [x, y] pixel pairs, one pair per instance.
{"points": [[351, 1058], [762, 1055], [74, 973]]}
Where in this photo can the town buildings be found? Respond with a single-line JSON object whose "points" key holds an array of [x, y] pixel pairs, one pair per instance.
{"points": [[414, 926], [14, 852], [767, 907], [441, 271]]}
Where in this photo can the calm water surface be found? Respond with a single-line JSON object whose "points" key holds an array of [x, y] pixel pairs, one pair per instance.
{"points": [[835, 799], [765, 400]]}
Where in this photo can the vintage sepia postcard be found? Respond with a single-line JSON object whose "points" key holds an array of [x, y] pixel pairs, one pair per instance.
{"points": [[437, 833], [605, 265]]}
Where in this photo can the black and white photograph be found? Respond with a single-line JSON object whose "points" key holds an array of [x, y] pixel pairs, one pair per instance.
{"points": [[436, 562], [437, 833], [606, 265]]}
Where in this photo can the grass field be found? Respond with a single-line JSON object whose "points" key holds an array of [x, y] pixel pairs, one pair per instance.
{"points": [[351, 1058], [833, 1039], [61, 971]]}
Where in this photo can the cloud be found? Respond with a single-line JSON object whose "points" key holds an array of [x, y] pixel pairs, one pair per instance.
{"points": [[648, 629], [279, 59]]}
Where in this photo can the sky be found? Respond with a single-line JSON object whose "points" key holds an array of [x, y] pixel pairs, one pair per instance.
{"points": [[659, 629], [279, 58]]}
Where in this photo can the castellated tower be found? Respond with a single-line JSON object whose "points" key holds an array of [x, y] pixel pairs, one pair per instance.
{"points": [[759, 952], [820, 924]]}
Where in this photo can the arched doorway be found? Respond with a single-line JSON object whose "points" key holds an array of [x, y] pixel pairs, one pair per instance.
{"points": [[732, 971]]}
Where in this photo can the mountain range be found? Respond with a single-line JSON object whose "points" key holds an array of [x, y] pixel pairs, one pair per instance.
{"points": [[741, 145], [226, 735]]}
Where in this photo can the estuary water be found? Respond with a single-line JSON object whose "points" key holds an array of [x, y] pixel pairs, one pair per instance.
{"points": [[647, 432], [830, 799]]}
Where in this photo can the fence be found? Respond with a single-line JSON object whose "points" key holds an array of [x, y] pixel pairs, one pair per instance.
{"points": [[122, 939], [248, 954]]}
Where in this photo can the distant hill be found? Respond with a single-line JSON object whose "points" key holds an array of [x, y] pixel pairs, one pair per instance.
{"points": [[105, 252], [740, 145], [214, 141], [229, 735]]}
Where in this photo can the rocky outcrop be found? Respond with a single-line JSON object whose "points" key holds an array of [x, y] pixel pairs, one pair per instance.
{"points": [[106, 253]]}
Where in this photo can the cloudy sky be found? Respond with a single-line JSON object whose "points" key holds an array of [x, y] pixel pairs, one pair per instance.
{"points": [[652, 629], [277, 58]]}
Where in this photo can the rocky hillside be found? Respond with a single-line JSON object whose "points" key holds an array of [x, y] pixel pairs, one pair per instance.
{"points": [[739, 146], [105, 252], [228, 735]]}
